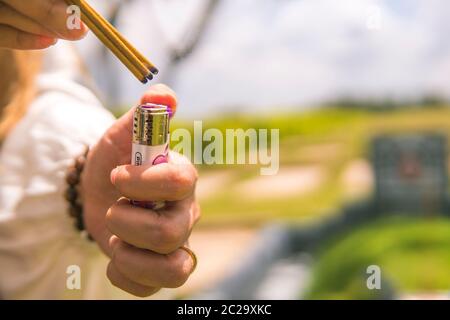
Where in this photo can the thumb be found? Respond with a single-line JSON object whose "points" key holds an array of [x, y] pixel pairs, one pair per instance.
{"points": [[163, 95]]}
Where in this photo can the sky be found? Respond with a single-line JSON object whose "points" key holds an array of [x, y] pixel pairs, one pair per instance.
{"points": [[266, 55]]}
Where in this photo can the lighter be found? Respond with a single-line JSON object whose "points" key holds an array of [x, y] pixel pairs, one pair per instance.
{"points": [[150, 140]]}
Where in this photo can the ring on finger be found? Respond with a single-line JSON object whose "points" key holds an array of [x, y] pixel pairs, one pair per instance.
{"points": [[192, 255]]}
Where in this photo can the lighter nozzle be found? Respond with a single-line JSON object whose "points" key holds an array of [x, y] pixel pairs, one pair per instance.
{"points": [[151, 125]]}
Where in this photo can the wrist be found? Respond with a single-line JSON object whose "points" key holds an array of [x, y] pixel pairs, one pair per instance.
{"points": [[73, 190]]}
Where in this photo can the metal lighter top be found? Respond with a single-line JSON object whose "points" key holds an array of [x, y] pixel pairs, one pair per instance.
{"points": [[151, 125]]}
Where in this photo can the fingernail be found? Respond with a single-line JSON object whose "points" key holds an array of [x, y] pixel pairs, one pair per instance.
{"points": [[113, 241], [47, 41], [114, 174]]}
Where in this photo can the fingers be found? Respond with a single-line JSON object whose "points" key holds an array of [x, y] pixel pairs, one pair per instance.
{"points": [[162, 232], [161, 94], [15, 39], [120, 281], [171, 181], [49, 13], [16, 20], [151, 269], [145, 249]]}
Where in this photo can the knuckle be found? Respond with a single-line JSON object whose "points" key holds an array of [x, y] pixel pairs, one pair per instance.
{"points": [[183, 180], [111, 217], [118, 258], [53, 11], [148, 227], [19, 40], [170, 237], [48, 10], [22, 40], [139, 291], [178, 271], [124, 181]]}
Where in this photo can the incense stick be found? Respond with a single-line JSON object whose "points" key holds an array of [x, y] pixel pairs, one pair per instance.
{"points": [[144, 60], [138, 65]]}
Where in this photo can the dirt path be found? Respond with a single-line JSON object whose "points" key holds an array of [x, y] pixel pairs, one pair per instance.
{"points": [[217, 251], [289, 181], [357, 179], [210, 184]]}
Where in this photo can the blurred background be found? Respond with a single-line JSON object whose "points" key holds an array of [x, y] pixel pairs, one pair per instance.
{"points": [[360, 91]]}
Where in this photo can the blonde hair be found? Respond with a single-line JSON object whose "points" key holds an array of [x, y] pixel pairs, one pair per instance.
{"points": [[17, 86]]}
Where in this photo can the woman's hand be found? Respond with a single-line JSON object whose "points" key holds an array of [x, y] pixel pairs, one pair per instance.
{"points": [[144, 245], [35, 24]]}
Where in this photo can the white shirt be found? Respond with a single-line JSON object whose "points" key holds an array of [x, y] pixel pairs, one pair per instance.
{"points": [[38, 241]]}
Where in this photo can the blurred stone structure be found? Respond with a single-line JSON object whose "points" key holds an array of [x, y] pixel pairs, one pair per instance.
{"points": [[410, 173]]}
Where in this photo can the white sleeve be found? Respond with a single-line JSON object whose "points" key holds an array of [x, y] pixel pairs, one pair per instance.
{"points": [[37, 238]]}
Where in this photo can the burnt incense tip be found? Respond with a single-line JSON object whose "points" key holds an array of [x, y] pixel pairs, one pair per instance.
{"points": [[154, 71], [150, 76], [144, 81]]}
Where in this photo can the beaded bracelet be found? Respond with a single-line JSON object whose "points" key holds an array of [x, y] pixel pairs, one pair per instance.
{"points": [[73, 179]]}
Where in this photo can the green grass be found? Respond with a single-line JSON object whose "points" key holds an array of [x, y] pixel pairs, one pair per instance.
{"points": [[351, 130], [413, 255]]}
